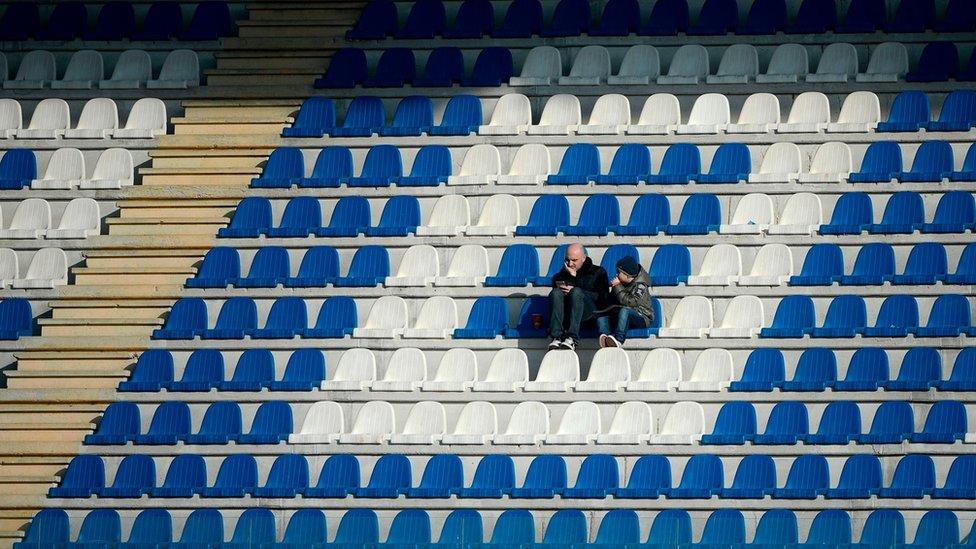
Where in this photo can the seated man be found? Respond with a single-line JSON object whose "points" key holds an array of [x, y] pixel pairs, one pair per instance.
{"points": [[630, 291], [579, 289]]}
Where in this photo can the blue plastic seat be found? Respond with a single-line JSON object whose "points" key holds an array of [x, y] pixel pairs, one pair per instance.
{"points": [[580, 165], [116, 20], [755, 478], [615, 253], [333, 166], [401, 216], [545, 478], [427, 19], [814, 17], [963, 376], [288, 477], [474, 19], [703, 477], [151, 373], [519, 265], [965, 269], [823, 264], [272, 424], [955, 213], [556, 261], [914, 478], [933, 163], [846, 317], [960, 16], [668, 18], [251, 218], [255, 528], [431, 167], [50, 527], [859, 479], [364, 117], [945, 424], [566, 528], [903, 214], [16, 318], [269, 268], [960, 482], [867, 371], [492, 68], [84, 476], [286, 319], [221, 424], [723, 528], [680, 165], [882, 162], [788, 422], [337, 319], [570, 18], [67, 21], [776, 528], [151, 528], [210, 21], [338, 478], [315, 118], [631, 164], [462, 116], [716, 17], [650, 478], [381, 168], [950, 316], [204, 371], [830, 527], [170, 423], [927, 263], [875, 265], [701, 214], [443, 475], [913, 16], [909, 112], [350, 217], [921, 369], [853, 213], [377, 21], [163, 21], [514, 528], [187, 474], [18, 167], [598, 477], [649, 216], [305, 369], [347, 69], [794, 316], [19, 21], [390, 478], [897, 318], [219, 266], [101, 528], [809, 477], [549, 213], [203, 528], [120, 423], [493, 478], [238, 316], [863, 16], [306, 528], [462, 527], [320, 264], [839, 424], [302, 216], [969, 73], [135, 476], [600, 212], [731, 163], [620, 18], [410, 528], [254, 371], [670, 527], [764, 369], [522, 19], [444, 68], [765, 17], [369, 267], [893, 422], [937, 528], [816, 369], [412, 115], [938, 63]]}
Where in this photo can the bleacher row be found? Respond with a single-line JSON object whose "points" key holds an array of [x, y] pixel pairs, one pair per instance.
{"points": [[22, 21], [524, 18], [85, 70], [65, 170], [32, 220], [99, 119]]}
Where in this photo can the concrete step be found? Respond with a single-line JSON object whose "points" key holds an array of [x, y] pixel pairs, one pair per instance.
{"points": [[221, 127], [153, 225], [55, 379], [77, 342], [27, 485], [40, 362], [197, 176], [65, 448], [132, 275], [117, 297], [211, 161], [300, 84], [238, 113], [220, 142], [309, 61], [97, 328]]}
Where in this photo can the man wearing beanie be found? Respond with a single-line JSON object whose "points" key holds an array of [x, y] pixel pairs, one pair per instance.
{"points": [[631, 290], [579, 290]]}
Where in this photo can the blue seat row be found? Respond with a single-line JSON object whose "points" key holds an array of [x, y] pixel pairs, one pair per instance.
{"points": [[875, 265], [546, 477], [333, 168], [303, 217], [524, 18], [271, 267], [397, 67], [116, 21], [904, 213], [16, 318], [933, 162], [911, 112]]}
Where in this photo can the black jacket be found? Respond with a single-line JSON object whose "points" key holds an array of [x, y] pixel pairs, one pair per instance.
{"points": [[590, 278]]}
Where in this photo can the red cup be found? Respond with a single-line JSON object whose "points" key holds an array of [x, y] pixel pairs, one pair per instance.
{"points": [[537, 321]]}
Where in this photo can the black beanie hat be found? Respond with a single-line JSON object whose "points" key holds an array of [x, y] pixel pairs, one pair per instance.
{"points": [[628, 265]]}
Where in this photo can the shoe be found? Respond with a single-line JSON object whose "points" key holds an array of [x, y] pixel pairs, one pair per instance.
{"points": [[569, 344], [610, 341], [603, 340], [555, 344]]}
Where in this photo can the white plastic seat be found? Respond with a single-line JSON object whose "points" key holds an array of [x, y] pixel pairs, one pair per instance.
{"points": [[543, 66], [84, 69], [633, 423], [374, 424], [407, 371], [450, 216], [773, 267], [789, 63], [609, 371], [753, 215], [529, 424], [660, 115], [9, 267], [561, 116], [469, 267], [99, 118], [48, 269], [531, 166], [31, 219], [11, 118], [481, 166], [499, 216], [580, 424], [803, 214], [425, 424], [721, 267], [810, 113], [831, 163], [739, 65], [712, 372], [782, 163], [759, 114], [591, 67], [146, 120], [710, 114], [641, 65], [889, 63], [51, 117], [512, 115], [860, 113], [683, 424], [477, 423], [180, 70], [559, 371], [132, 70], [457, 371], [692, 318], [37, 69], [660, 371], [688, 66], [113, 170], [387, 318], [610, 116], [419, 267], [355, 371], [508, 371], [323, 424], [80, 219], [437, 319], [838, 63], [65, 168], [744, 317]]}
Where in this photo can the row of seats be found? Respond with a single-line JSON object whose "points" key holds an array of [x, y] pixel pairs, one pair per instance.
{"points": [[443, 477], [494, 66], [66, 170], [86, 70], [524, 18], [115, 21], [16, 318], [99, 119], [48, 267], [32, 219]]}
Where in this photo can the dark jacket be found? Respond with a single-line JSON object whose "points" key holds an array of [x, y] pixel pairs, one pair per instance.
{"points": [[590, 278], [636, 295]]}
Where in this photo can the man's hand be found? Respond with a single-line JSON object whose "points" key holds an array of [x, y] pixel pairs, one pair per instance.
{"points": [[565, 288], [615, 282], [572, 272]]}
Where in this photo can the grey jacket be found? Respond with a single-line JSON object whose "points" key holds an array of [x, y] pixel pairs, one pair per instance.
{"points": [[636, 295]]}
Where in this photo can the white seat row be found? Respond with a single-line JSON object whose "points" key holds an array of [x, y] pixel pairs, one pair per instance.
{"points": [[86, 69], [48, 268], [661, 115], [66, 169], [32, 219], [477, 423], [99, 120], [690, 65]]}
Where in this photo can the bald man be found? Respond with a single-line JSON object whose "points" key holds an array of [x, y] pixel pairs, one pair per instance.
{"points": [[579, 289]]}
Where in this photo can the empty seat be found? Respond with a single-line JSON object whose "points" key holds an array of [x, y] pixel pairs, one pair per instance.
{"points": [[347, 68], [814, 17], [744, 317], [221, 424], [710, 114], [152, 371], [287, 318], [960, 483], [477, 423], [632, 424], [609, 371], [763, 370], [788, 422], [580, 164], [204, 370], [765, 17], [808, 478], [852, 214], [560, 116], [395, 68], [80, 219], [113, 170], [898, 316], [830, 164], [48, 269], [889, 63], [18, 167], [759, 114], [481, 166], [914, 478], [519, 265], [468, 267], [99, 118], [631, 164], [492, 68], [591, 66], [838, 63], [755, 478], [170, 422], [549, 213], [315, 118], [580, 424], [11, 117], [426, 19], [119, 424], [49, 120], [387, 318], [680, 165], [512, 115], [457, 371], [610, 116], [753, 215], [701, 214], [413, 114], [370, 266], [810, 113], [37, 68], [950, 316], [660, 115], [958, 112], [815, 370], [739, 65], [794, 315], [860, 112], [474, 19], [874, 265], [702, 478], [712, 372], [559, 371], [781, 164], [84, 476], [333, 166], [254, 371], [641, 65], [689, 65], [418, 267], [374, 424], [542, 66], [955, 213], [910, 111], [508, 370], [425, 424], [789, 63], [570, 18], [933, 163], [180, 70], [529, 424], [683, 424], [716, 17], [19, 22], [860, 478], [944, 424], [287, 478], [431, 167], [437, 319], [903, 213], [377, 20], [132, 70], [84, 69], [146, 120], [444, 68], [285, 166]]}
